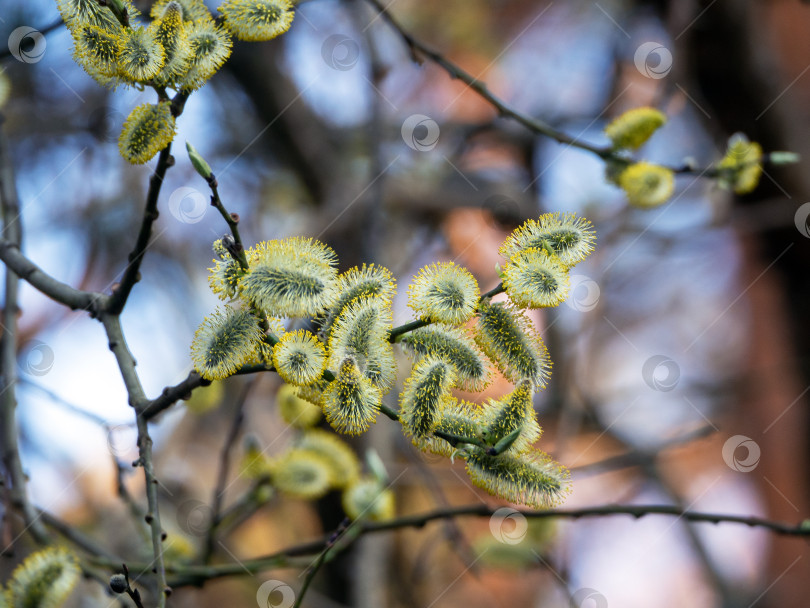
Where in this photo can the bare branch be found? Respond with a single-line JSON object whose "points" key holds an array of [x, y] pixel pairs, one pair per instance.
{"points": [[60, 292], [12, 228], [138, 400], [132, 272], [194, 575]]}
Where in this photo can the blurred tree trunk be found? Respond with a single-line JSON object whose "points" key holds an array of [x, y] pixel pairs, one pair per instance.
{"points": [[752, 98]]}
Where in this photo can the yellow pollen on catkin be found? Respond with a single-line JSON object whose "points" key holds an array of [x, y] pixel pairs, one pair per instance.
{"points": [[257, 20], [147, 130]]}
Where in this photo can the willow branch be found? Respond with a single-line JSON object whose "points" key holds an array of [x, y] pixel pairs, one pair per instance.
{"points": [[396, 333], [132, 272], [138, 401], [77, 538], [232, 219], [405, 328], [63, 293], [183, 390], [172, 394], [417, 48], [637, 458], [244, 507], [8, 352], [194, 575], [311, 572], [533, 124], [636, 511]]}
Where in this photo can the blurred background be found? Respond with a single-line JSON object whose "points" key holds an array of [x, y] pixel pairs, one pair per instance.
{"points": [[680, 361]]}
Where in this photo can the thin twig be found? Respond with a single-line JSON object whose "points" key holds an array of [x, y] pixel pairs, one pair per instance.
{"points": [[197, 574], [452, 531], [57, 399], [134, 594], [245, 506], [636, 458], [535, 125], [77, 538], [538, 126], [312, 569], [637, 511], [172, 394], [396, 333], [232, 219], [224, 465]]}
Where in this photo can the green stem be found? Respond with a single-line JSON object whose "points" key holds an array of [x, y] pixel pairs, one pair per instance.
{"points": [[118, 9], [492, 292], [232, 220], [455, 440], [400, 331], [396, 334], [391, 413], [311, 572]]}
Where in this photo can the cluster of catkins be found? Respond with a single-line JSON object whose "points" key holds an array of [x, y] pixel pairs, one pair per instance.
{"points": [[649, 185], [345, 362], [181, 48]]}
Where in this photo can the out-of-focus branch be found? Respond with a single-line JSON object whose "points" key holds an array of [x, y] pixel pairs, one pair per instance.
{"points": [[635, 458], [73, 535], [637, 511], [7, 52], [294, 133], [535, 125], [222, 475], [417, 48], [12, 231], [182, 575]]}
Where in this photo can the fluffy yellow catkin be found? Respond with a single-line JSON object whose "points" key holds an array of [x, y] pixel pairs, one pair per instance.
{"points": [[635, 127], [147, 130], [257, 20], [647, 185]]}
